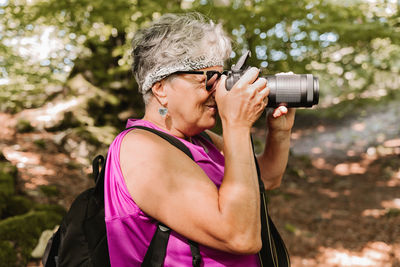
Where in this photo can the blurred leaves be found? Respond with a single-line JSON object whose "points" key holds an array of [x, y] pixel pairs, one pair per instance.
{"points": [[351, 45]]}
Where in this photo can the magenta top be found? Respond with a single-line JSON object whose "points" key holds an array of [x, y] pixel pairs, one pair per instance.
{"points": [[130, 230]]}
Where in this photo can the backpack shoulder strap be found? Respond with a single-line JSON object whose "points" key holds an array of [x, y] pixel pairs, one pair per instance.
{"points": [[172, 140], [157, 250], [206, 136], [98, 176]]}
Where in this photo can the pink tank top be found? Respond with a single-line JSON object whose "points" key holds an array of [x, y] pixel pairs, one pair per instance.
{"points": [[129, 229]]}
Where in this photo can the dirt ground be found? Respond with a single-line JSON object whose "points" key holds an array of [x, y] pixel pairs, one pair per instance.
{"points": [[332, 209], [341, 213]]}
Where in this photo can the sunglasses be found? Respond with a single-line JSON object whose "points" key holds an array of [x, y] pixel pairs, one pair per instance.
{"points": [[212, 76]]}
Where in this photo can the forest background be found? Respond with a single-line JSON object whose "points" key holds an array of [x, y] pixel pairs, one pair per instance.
{"points": [[66, 89]]}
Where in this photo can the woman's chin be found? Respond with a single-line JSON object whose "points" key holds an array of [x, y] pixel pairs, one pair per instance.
{"points": [[211, 123]]}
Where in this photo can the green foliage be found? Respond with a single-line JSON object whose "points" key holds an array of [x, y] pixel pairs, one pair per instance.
{"points": [[8, 175], [291, 228], [24, 126], [22, 232], [40, 143], [21, 220], [16, 205], [51, 209], [392, 212], [351, 45], [49, 190], [8, 255]]}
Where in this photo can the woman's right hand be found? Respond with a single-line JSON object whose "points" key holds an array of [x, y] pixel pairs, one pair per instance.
{"points": [[245, 102]]}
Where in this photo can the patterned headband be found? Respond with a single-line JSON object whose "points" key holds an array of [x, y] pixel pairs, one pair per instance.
{"points": [[186, 64]]}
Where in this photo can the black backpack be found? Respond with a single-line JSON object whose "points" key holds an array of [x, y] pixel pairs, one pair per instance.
{"points": [[81, 239]]}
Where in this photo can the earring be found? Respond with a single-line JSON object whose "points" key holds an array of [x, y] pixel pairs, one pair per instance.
{"points": [[163, 111]]}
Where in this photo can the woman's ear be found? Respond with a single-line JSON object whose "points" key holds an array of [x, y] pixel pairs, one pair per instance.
{"points": [[160, 92]]}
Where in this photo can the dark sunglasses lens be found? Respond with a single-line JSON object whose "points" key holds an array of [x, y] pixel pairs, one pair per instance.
{"points": [[212, 78]]}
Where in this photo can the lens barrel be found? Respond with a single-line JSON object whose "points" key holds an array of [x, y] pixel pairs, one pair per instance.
{"points": [[293, 90]]}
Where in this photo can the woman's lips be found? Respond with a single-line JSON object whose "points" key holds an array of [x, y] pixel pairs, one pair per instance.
{"points": [[212, 107]]}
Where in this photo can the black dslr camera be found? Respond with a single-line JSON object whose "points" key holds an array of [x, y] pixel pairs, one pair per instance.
{"points": [[290, 90]]}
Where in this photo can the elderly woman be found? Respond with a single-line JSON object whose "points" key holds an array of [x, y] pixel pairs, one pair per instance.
{"points": [[213, 199]]}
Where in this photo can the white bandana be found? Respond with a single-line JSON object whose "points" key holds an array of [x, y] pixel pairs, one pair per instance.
{"points": [[182, 65]]}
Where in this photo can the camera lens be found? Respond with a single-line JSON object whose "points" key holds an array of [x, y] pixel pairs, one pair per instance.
{"points": [[293, 90]]}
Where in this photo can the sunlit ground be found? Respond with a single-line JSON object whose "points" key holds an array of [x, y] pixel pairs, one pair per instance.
{"points": [[374, 254]]}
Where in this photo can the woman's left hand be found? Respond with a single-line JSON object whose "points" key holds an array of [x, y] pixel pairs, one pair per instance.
{"points": [[274, 159], [281, 119]]}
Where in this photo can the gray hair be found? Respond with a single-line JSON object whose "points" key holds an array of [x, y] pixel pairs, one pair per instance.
{"points": [[177, 42]]}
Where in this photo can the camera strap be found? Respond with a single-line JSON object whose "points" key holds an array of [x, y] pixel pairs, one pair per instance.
{"points": [[273, 252]]}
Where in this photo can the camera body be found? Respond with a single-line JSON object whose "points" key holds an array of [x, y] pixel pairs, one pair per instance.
{"points": [[290, 90]]}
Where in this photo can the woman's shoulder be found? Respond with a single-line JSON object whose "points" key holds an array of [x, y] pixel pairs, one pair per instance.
{"points": [[142, 141], [137, 138], [142, 144]]}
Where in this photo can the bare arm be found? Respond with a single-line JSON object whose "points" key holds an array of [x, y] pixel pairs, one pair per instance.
{"points": [[274, 158], [171, 188]]}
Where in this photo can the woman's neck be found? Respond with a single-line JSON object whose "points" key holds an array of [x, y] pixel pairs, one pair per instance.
{"points": [[164, 122]]}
